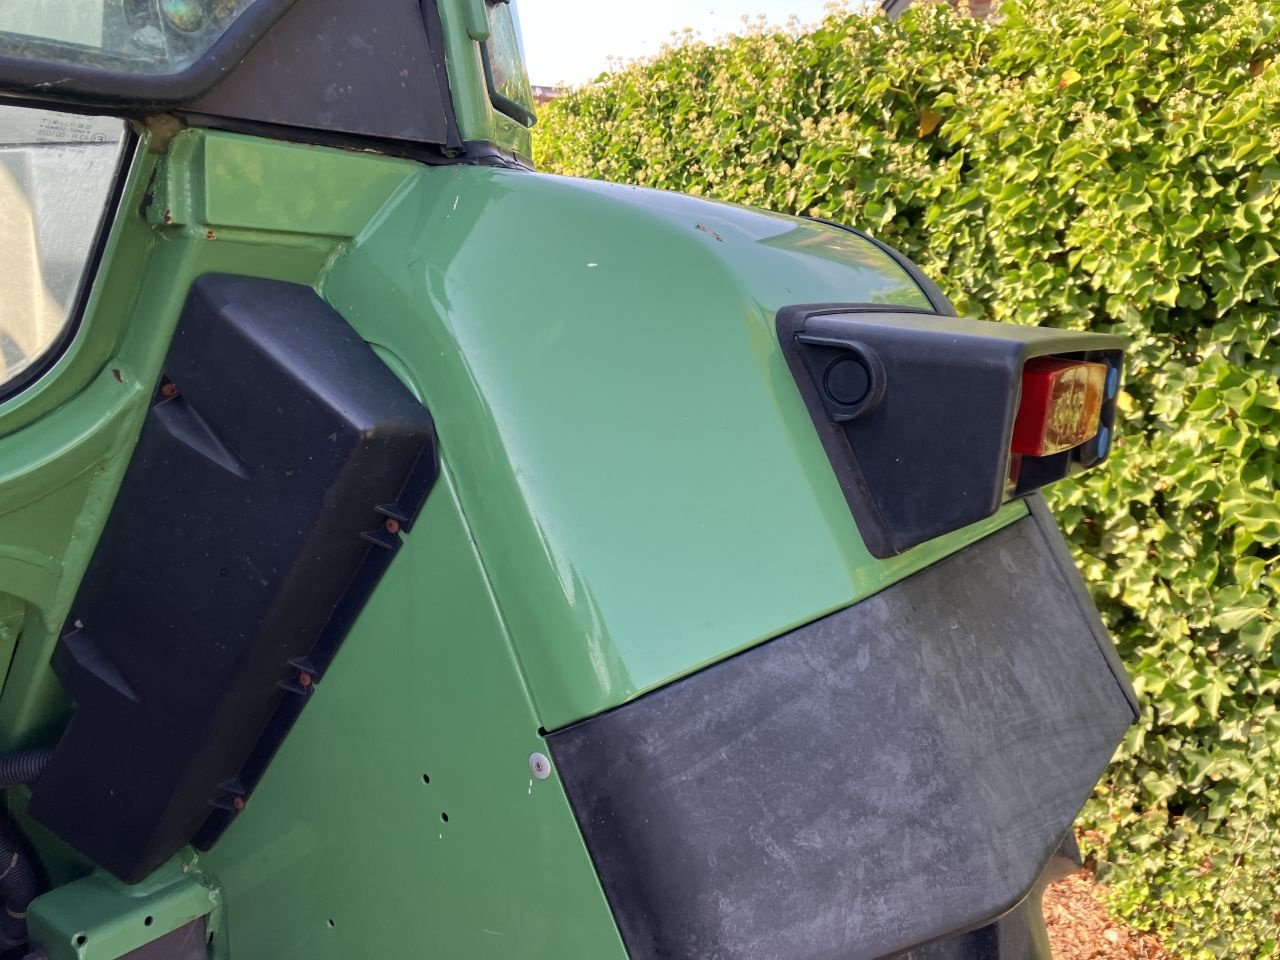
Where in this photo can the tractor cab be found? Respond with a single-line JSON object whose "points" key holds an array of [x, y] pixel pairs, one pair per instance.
{"points": [[406, 553]]}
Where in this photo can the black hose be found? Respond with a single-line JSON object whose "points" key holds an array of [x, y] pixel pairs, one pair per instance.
{"points": [[22, 768], [17, 877], [18, 882]]}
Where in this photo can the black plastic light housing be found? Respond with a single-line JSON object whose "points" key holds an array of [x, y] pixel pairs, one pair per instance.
{"points": [[917, 410]]}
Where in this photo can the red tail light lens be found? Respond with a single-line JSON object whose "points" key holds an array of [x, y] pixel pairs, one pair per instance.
{"points": [[1061, 405]]}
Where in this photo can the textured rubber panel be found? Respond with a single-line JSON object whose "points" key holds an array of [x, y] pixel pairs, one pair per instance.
{"points": [[366, 69], [891, 774], [278, 461]]}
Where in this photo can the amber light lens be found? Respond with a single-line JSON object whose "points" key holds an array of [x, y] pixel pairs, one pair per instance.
{"points": [[1061, 405]]}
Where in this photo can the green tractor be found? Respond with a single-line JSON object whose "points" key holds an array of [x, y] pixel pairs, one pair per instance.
{"points": [[407, 554]]}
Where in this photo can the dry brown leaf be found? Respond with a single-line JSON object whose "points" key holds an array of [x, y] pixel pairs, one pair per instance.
{"points": [[1079, 928], [929, 121]]}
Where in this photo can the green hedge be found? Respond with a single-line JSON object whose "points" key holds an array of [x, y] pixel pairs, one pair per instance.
{"points": [[1102, 164]]}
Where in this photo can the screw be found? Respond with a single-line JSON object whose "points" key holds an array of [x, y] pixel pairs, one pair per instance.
{"points": [[540, 765], [169, 390], [392, 525]]}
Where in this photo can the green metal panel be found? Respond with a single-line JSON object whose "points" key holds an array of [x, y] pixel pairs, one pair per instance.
{"points": [[343, 850], [223, 182], [633, 457], [13, 612], [99, 918]]}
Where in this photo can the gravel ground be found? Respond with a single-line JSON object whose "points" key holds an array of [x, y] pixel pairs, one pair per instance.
{"points": [[1079, 928]]}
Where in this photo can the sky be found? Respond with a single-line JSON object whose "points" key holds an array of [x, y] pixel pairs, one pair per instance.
{"points": [[570, 41]]}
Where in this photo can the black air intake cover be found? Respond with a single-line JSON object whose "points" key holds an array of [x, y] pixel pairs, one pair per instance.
{"points": [[278, 461]]}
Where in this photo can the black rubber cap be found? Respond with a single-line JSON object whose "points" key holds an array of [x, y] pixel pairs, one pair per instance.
{"points": [[847, 381]]}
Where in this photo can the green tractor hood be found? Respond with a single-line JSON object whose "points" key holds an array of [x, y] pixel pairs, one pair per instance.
{"points": [[635, 461]]}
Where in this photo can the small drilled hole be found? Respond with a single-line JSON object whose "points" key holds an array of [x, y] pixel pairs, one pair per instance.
{"points": [[331, 923], [80, 939], [426, 778], [147, 921], [444, 817]]}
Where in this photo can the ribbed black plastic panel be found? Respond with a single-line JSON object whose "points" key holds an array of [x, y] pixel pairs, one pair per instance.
{"points": [[278, 462]]}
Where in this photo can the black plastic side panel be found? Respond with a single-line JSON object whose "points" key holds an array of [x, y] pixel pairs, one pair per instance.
{"points": [[262, 504], [897, 772], [365, 69]]}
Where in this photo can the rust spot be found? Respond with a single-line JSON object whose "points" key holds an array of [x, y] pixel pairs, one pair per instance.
{"points": [[210, 235], [169, 390], [168, 217], [392, 525], [116, 373]]}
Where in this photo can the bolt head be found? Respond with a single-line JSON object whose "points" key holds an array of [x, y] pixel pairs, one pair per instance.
{"points": [[540, 765]]}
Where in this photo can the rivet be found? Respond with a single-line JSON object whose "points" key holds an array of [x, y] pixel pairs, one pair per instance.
{"points": [[169, 390], [540, 765], [392, 525], [238, 802], [304, 679]]}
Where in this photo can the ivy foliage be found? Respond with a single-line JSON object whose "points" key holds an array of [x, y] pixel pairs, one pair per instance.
{"points": [[1091, 164]]}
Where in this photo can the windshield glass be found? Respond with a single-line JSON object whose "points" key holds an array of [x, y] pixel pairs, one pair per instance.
{"points": [[132, 36]]}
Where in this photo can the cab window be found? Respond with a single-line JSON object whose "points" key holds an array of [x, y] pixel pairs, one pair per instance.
{"points": [[56, 174]]}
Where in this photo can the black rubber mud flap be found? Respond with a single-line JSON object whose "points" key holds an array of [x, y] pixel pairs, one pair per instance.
{"points": [[895, 773], [278, 462]]}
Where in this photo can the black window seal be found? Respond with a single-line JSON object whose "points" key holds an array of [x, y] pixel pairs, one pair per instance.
{"points": [[52, 81], [434, 27], [89, 274]]}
